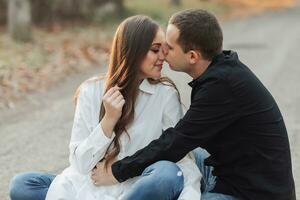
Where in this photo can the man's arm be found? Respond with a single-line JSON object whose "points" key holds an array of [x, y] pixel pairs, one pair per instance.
{"points": [[212, 109]]}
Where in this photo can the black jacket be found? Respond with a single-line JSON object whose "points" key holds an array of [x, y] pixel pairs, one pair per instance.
{"points": [[234, 117]]}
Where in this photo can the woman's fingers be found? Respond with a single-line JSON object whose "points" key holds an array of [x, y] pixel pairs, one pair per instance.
{"points": [[111, 91], [121, 103], [113, 102], [118, 99], [114, 95]]}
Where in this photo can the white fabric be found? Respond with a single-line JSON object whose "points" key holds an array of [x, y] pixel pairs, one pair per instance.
{"points": [[157, 108]]}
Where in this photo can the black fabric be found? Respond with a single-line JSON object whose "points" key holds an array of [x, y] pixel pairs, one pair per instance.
{"points": [[234, 117]]}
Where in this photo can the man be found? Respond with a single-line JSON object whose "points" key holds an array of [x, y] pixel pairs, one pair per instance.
{"points": [[232, 115]]}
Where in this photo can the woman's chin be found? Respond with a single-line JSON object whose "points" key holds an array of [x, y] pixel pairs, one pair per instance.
{"points": [[157, 76]]}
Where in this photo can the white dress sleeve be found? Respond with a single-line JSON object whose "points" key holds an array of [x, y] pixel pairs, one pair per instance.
{"points": [[88, 142], [191, 173]]}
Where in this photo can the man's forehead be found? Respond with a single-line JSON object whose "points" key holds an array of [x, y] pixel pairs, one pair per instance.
{"points": [[172, 33]]}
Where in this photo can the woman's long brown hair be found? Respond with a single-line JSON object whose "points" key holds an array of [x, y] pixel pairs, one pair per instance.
{"points": [[131, 43]]}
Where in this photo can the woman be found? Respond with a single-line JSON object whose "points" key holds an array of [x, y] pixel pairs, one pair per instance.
{"points": [[120, 113]]}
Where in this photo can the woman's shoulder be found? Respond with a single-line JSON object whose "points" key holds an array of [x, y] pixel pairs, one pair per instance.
{"points": [[92, 86], [166, 88]]}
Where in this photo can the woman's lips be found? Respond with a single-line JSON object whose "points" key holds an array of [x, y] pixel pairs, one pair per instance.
{"points": [[159, 65]]}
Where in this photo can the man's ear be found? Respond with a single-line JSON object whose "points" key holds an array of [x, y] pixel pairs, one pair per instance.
{"points": [[194, 56]]}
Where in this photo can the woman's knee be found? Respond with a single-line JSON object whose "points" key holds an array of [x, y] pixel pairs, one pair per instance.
{"points": [[17, 186], [29, 186]]}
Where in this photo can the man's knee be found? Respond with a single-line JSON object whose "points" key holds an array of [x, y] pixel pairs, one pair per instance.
{"points": [[200, 153], [166, 173]]}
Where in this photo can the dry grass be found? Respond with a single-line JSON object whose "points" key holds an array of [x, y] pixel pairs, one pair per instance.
{"points": [[49, 58]]}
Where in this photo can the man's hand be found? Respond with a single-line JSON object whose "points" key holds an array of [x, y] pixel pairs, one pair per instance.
{"points": [[101, 176]]}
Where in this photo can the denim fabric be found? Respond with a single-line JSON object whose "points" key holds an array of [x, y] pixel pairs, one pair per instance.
{"points": [[208, 180]]}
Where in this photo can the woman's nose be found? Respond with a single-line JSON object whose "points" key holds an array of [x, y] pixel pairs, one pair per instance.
{"points": [[165, 49], [161, 54]]}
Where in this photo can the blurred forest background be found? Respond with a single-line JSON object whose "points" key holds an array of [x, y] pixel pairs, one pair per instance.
{"points": [[43, 41]]}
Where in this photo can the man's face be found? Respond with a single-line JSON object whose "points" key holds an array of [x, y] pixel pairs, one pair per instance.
{"points": [[177, 59]]}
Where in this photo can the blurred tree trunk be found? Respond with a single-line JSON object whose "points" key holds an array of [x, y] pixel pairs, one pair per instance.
{"points": [[3, 11], [19, 20], [41, 11], [120, 6], [176, 2]]}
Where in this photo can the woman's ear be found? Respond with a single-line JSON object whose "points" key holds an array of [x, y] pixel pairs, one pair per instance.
{"points": [[194, 56]]}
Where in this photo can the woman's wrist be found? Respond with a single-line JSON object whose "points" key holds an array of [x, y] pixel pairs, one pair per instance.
{"points": [[108, 125]]}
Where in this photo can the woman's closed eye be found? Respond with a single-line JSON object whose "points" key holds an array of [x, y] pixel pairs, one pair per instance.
{"points": [[155, 50], [155, 47]]}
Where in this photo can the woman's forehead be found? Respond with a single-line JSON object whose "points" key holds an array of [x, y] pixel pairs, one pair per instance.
{"points": [[159, 37]]}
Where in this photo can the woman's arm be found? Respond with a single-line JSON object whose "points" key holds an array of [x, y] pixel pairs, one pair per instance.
{"points": [[88, 143]]}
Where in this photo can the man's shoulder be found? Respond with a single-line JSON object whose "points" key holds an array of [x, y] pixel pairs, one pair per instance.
{"points": [[227, 71]]}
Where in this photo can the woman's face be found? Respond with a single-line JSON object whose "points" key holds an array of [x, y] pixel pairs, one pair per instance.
{"points": [[152, 64]]}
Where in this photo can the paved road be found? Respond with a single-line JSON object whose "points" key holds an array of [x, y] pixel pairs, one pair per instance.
{"points": [[34, 136]]}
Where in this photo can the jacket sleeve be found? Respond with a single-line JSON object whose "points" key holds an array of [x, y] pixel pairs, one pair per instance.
{"points": [[212, 109], [88, 142], [192, 176]]}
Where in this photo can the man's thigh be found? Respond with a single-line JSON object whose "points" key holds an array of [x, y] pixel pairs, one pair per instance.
{"points": [[208, 181], [216, 196]]}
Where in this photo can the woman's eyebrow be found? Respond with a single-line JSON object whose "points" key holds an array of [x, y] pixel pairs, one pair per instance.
{"points": [[157, 43]]}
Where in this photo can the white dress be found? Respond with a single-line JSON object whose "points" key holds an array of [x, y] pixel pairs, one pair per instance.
{"points": [[157, 108]]}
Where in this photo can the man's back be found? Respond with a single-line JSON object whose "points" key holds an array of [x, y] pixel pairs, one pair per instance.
{"points": [[251, 156]]}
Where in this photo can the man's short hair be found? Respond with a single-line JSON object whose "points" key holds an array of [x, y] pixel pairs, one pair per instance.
{"points": [[199, 30]]}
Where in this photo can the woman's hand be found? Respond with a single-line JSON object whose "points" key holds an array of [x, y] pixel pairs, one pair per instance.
{"points": [[113, 102]]}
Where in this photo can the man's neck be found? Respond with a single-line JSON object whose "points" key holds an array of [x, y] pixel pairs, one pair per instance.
{"points": [[199, 68]]}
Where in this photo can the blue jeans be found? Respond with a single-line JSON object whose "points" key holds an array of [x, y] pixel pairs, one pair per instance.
{"points": [[160, 181], [208, 180], [30, 186]]}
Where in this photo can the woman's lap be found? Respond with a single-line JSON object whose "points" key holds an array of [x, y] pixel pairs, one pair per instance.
{"points": [[161, 180]]}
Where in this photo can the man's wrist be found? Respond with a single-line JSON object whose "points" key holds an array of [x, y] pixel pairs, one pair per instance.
{"points": [[115, 172]]}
